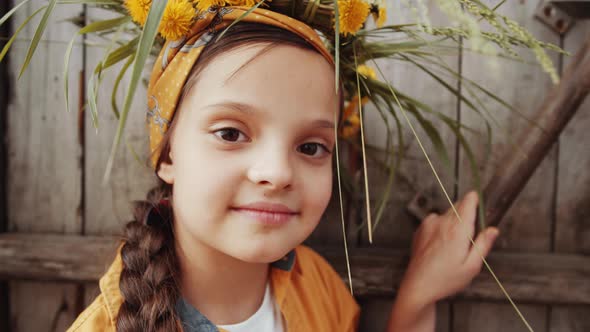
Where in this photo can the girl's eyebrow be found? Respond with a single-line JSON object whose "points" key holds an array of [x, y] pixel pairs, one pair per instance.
{"points": [[235, 106], [248, 109]]}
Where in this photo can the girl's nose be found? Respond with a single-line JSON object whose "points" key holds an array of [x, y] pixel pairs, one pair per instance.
{"points": [[272, 169]]}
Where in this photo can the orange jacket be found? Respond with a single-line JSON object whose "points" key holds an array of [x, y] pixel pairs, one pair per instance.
{"points": [[310, 294]]}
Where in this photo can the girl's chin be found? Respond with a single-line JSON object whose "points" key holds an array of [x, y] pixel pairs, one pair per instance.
{"points": [[262, 255]]}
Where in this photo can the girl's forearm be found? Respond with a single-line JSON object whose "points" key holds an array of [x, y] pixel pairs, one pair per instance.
{"points": [[409, 316]]}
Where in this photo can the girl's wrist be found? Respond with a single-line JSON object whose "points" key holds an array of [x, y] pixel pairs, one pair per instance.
{"points": [[412, 300], [414, 293], [411, 313]]}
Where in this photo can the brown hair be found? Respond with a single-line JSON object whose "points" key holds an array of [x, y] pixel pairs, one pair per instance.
{"points": [[148, 281]]}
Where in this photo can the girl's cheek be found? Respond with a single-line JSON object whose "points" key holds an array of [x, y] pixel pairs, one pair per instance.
{"points": [[321, 188]]}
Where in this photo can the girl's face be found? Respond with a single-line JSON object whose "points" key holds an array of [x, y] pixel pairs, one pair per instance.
{"points": [[262, 135]]}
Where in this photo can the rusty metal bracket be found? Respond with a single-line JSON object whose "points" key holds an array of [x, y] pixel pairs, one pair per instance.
{"points": [[424, 203], [554, 17], [561, 15]]}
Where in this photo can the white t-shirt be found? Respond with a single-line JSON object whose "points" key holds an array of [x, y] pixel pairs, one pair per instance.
{"points": [[267, 318]]}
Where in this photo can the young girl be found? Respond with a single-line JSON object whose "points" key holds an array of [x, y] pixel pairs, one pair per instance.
{"points": [[242, 140]]}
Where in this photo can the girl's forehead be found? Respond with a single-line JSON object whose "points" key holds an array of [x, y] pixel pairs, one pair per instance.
{"points": [[316, 120], [282, 76]]}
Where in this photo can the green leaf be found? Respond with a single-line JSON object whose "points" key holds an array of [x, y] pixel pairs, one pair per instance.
{"points": [[65, 72], [393, 156], [434, 136], [99, 68], [37, 37], [386, 50], [385, 30], [18, 30], [146, 42], [364, 154], [476, 178], [116, 86], [121, 53], [134, 153], [105, 25], [91, 96], [12, 11], [122, 72], [392, 165], [114, 40], [92, 27]]}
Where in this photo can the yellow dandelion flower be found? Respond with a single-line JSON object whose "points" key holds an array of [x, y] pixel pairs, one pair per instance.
{"points": [[177, 19], [381, 16], [353, 13], [352, 121], [366, 71], [353, 106], [203, 5], [138, 9], [351, 127], [247, 3]]}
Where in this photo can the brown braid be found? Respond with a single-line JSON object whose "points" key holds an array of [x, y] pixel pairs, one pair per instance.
{"points": [[148, 281]]}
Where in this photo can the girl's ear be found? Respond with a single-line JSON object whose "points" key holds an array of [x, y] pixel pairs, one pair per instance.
{"points": [[166, 171]]}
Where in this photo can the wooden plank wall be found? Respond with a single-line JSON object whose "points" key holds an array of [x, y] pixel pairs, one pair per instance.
{"points": [[56, 161], [43, 171]]}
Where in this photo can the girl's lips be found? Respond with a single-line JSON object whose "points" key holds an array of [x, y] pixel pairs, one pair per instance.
{"points": [[267, 207], [271, 218]]}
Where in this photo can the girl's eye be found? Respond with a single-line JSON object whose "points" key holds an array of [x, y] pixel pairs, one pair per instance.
{"points": [[316, 150], [229, 134]]}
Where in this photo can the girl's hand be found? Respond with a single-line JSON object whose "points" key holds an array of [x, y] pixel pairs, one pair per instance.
{"points": [[443, 262], [443, 259]]}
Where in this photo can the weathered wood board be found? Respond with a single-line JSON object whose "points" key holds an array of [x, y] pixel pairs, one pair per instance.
{"points": [[44, 175], [545, 278], [487, 316]]}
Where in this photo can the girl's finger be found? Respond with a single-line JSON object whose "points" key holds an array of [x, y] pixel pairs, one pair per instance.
{"points": [[483, 244], [450, 213], [467, 211], [460, 205]]}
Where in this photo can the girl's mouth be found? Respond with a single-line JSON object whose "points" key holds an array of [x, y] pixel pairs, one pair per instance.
{"points": [[269, 218]]}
